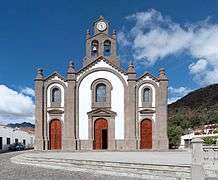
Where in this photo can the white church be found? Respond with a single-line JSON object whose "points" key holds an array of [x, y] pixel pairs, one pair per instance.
{"points": [[101, 106]]}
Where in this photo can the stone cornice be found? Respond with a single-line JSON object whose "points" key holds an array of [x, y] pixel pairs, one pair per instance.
{"points": [[55, 74], [101, 58]]}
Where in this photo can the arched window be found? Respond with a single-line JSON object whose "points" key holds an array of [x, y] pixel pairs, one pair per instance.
{"points": [[147, 95], [94, 48], [101, 93], [56, 95], [107, 48]]}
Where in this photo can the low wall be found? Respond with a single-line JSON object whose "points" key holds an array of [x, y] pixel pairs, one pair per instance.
{"points": [[204, 160]]}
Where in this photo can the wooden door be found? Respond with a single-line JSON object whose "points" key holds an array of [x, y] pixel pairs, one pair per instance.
{"points": [[100, 134], [146, 134], [55, 134]]}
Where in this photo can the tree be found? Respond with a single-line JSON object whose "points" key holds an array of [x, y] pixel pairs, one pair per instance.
{"points": [[174, 134]]}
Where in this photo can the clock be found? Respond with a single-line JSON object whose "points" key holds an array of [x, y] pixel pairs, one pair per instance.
{"points": [[101, 26]]}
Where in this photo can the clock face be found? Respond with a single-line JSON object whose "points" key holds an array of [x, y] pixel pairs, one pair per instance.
{"points": [[101, 26]]}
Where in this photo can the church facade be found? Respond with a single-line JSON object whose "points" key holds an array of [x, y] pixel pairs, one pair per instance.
{"points": [[101, 106]]}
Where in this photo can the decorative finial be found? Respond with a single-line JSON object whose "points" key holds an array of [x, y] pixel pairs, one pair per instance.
{"points": [[114, 34], [101, 17], [131, 68], [39, 74], [71, 69], [162, 74], [87, 34]]}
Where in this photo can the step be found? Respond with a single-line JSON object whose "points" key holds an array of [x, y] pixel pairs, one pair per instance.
{"points": [[135, 170]]}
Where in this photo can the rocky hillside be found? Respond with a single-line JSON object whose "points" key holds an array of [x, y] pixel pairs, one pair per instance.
{"points": [[21, 125], [195, 109]]}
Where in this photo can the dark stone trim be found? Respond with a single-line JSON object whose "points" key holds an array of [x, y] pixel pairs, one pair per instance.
{"points": [[149, 75], [101, 33], [96, 61], [147, 111], [109, 87], [147, 104], [55, 104], [55, 111], [101, 112], [53, 75]]}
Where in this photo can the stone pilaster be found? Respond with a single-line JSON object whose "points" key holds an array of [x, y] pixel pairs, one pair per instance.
{"points": [[69, 142], [197, 169], [113, 58], [161, 138], [130, 120], [39, 111]]}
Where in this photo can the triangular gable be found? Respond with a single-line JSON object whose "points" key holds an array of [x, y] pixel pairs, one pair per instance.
{"points": [[101, 58], [55, 74], [147, 74], [101, 112]]}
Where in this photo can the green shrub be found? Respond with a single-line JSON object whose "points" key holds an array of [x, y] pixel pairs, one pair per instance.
{"points": [[209, 140]]}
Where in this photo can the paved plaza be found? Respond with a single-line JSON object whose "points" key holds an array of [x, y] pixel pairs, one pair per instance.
{"points": [[111, 165], [147, 157], [11, 171]]}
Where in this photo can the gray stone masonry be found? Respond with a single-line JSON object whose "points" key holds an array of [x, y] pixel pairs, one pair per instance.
{"points": [[69, 142], [130, 121], [197, 170], [161, 124], [39, 141]]}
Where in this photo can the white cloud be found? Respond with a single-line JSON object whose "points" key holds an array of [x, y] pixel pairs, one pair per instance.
{"points": [[28, 91], [122, 39], [15, 106], [155, 37], [177, 93], [198, 67]]}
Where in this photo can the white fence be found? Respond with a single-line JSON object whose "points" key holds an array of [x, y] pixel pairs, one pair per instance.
{"points": [[204, 160]]}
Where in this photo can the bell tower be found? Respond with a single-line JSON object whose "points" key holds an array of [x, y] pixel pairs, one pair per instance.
{"points": [[99, 42]]}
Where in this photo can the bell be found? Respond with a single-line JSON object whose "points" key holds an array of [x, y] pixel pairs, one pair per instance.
{"points": [[107, 48], [94, 49]]}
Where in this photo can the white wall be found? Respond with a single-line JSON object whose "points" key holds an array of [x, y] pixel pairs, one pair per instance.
{"points": [[117, 102], [7, 132]]}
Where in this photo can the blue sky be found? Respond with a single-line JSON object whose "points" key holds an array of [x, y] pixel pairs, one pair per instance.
{"points": [[153, 34]]}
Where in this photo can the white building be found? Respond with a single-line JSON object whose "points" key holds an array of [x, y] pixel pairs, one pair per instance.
{"points": [[11, 135], [210, 130]]}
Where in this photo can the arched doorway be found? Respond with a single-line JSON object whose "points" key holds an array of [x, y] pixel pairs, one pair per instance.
{"points": [[101, 134], [55, 131], [146, 134]]}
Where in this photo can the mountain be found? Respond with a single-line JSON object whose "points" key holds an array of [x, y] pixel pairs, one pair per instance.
{"points": [[21, 125], [197, 108]]}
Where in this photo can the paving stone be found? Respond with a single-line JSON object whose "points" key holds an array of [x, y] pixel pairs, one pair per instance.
{"points": [[10, 171]]}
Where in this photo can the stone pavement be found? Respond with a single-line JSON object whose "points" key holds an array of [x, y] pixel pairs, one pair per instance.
{"points": [[10, 171], [123, 165]]}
